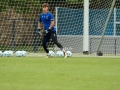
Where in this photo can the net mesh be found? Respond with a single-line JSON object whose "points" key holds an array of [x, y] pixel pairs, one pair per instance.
{"points": [[99, 14], [19, 19]]}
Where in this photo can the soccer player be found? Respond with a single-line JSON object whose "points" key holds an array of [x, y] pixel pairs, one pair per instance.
{"points": [[47, 20]]}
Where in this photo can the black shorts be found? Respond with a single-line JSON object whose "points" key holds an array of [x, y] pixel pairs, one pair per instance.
{"points": [[50, 35]]}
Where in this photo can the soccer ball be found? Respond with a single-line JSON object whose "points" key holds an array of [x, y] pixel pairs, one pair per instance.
{"points": [[19, 53], [8, 53], [59, 53], [5, 53], [24, 53], [1, 53], [51, 53], [69, 53]]}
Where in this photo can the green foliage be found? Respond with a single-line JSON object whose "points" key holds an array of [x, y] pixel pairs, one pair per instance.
{"points": [[21, 6], [28, 6], [74, 1]]}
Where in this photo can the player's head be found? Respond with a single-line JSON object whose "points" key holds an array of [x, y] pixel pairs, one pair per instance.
{"points": [[45, 7]]}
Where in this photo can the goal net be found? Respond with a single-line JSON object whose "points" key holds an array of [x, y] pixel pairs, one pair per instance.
{"points": [[19, 19], [103, 37], [103, 31]]}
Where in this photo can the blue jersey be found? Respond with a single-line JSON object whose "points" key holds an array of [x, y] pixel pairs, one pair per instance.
{"points": [[46, 19]]}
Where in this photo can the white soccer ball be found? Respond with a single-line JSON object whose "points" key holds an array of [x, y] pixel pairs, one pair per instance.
{"points": [[5, 53], [1, 53], [19, 53], [69, 53], [24, 53], [51, 53], [59, 53], [8, 53]]}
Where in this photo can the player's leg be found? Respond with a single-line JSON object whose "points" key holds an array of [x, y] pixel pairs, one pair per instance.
{"points": [[54, 39], [44, 43]]}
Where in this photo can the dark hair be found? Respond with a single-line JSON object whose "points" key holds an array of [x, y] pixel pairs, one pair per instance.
{"points": [[45, 5]]}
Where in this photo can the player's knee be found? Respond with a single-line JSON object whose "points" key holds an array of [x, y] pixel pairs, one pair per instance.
{"points": [[56, 42], [43, 43]]}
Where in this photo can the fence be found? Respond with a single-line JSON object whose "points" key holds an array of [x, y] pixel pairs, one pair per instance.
{"points": [[21, 32]]}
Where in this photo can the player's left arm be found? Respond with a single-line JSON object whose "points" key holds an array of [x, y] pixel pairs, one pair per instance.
{"points": [[52, 21], [52, 24]]}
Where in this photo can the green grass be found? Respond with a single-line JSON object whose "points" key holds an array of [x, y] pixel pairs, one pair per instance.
{"points": [[38, 73]]}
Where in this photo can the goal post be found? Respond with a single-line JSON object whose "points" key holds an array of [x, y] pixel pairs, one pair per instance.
{"points": [[86, 28]]}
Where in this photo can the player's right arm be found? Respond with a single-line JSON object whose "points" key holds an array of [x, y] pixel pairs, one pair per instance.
{"points": [[39, 26], [39, 22]]}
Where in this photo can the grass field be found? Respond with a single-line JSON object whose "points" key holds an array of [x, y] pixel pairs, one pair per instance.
{"points": [[74, 73]]}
